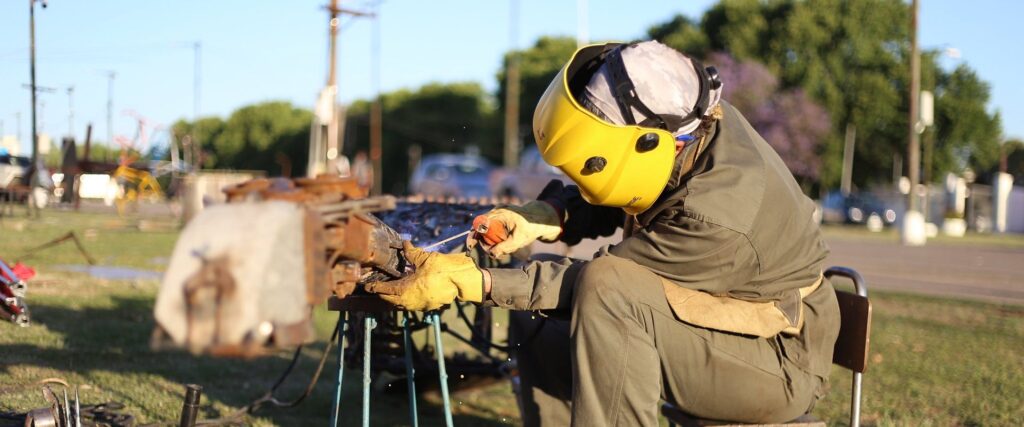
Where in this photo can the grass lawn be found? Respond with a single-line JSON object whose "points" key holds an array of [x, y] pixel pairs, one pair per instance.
{"points": [[933, 361]]}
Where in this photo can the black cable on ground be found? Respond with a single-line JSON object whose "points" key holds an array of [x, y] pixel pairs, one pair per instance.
{"points": [[235, 418]]}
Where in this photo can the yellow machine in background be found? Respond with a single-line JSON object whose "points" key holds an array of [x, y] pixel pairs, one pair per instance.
{"points": [[135, 185]]}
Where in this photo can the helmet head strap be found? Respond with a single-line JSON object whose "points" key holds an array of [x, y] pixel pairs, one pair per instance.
{"points": [[626, 97]]}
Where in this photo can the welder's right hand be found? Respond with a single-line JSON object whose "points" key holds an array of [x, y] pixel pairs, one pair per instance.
{"points": [[536, 220], [439, 279]]}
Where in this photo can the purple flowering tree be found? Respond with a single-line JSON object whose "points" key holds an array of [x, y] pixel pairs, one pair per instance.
{"points": [[789, 120]]}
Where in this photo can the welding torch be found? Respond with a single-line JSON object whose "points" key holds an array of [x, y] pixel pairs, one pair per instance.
{"points": [[490, 230]]}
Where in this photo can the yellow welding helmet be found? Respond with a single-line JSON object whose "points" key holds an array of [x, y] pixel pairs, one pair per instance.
{"points": [[626, 166]]}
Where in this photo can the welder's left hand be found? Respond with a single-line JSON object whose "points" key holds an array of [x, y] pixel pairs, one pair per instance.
{"points": [[438, 280]]}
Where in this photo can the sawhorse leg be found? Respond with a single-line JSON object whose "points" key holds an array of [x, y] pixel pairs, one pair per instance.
{"points": [[370, 323], [341, 368], [410, 371], [435, 319]]}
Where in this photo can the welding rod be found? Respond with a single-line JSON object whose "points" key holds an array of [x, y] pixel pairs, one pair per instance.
{"points": [[433, 245]]}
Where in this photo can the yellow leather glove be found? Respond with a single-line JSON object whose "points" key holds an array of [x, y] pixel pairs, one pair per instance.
{"points": [[438, 280], [523, 225]]}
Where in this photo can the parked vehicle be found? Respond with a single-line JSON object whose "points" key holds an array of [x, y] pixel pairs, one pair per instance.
{"points": [[529, 178], [12, 169], [452, 175], [856, 208]]}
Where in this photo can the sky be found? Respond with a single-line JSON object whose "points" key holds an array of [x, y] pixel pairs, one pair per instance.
{"points": [[254, 51]]}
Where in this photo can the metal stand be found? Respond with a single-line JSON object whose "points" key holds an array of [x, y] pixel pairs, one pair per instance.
{"points": [[435, 319], [410, 371], [341, 367], [370, 323]]}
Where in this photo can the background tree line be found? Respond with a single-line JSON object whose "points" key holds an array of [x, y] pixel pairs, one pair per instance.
{"points": [[800, 71]]}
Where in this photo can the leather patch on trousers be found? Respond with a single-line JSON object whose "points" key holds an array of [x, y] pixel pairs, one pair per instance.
{"points": [[723, 313]]}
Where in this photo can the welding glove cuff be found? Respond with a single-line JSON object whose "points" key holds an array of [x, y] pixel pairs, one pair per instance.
{"points": [[438, 280]]}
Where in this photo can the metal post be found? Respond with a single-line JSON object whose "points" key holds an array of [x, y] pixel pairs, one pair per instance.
{"points": [[32, 71], [71, 111], [110, 109], [511, 149], [341, 368], [376, 112], [913, 148], [435, 319], [370, 324], [410, 372], [855, 404]]}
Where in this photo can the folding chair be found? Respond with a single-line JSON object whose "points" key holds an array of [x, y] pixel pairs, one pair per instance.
{"points": [[851, 352]]}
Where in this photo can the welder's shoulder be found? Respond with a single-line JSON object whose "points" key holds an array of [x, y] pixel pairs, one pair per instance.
{"points": [[730, 188]]}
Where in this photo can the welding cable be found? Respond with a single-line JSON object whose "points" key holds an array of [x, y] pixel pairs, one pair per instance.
{"points": [[268, 397], [472, 328]]}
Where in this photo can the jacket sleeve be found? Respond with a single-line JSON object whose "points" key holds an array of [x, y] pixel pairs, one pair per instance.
{"points": [[581, 220], [537, 285], [693, 253]]}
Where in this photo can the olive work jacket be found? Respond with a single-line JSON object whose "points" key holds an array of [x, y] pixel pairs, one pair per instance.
{"points": [[734, 225]]}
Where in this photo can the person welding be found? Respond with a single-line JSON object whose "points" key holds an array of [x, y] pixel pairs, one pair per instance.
{"points": [[714, 300]]}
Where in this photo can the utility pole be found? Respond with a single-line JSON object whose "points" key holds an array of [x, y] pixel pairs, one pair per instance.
{"points": [[17, 125], [196, 51], [32, 73], [582, 27], [848, 147], [511, 154], [110, 107], [376, 115], [913, 228], [324, 148], [71, 111]]}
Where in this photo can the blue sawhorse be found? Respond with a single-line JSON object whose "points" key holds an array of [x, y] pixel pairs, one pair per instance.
{"points": [[368, 306]]}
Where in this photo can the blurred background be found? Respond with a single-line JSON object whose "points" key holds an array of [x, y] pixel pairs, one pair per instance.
{"points": [[236, 86], [144, 111]]}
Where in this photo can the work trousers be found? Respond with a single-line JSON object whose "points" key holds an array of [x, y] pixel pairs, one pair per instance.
{"points": [[623, 352]]}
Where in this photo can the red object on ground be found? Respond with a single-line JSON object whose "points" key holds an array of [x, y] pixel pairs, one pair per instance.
{"points": [[23, 272]]}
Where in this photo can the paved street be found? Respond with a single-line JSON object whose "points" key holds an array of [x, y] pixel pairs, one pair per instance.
{"points": [[983, 272], [979, 272]]}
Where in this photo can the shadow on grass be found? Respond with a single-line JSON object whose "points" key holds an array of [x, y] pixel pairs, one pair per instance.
{"points": [[108, 348]]}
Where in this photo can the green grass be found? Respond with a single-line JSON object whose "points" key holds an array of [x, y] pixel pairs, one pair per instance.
{"points": [[933, 361]]}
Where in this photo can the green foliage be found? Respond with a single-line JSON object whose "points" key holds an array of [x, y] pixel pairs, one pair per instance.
{"points": [[967, 135], [538, 65], [853, 59], [1014, 152], [683, 35], [270, 136], [437, 117], [204, 132]]}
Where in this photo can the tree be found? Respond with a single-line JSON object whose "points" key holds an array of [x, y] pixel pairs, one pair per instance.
{"points": [[1013, 153], [270, 136], [852, 58], [683, 35], [204, 131], [791, 122], [966, 135], [538, 65], [437, 117]]}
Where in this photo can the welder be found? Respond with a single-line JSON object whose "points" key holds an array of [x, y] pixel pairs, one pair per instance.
{"points": [[713, 300]]}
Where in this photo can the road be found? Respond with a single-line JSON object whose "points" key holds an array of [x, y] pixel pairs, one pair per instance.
{"points": [[984, 272]]}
